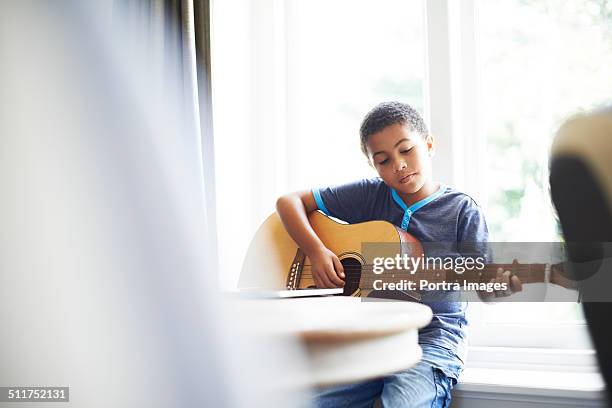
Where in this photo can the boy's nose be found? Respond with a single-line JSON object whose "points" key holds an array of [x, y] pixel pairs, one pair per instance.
{"points": [[400, 166]]}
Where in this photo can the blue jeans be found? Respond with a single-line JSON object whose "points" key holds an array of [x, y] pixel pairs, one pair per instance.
{"points": [[427, 384]]}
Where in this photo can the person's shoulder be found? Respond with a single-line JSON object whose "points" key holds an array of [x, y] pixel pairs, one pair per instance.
{"points": [[461, 200], [471, 220], [370, 184], [374, 182], [376, 188], [368, 189]]}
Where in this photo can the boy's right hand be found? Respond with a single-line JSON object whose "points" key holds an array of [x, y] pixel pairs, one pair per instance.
{"points": [[327, 271]]}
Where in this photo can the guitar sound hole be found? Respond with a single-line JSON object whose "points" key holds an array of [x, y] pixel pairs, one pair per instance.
{"points": [[352, 273]]}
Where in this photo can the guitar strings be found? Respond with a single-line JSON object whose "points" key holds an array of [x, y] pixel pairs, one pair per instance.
{"points": [[353, 278], [371, 268], [359, 281], [505, 265]]}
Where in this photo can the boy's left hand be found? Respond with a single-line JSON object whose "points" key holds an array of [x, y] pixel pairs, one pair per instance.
{"points": [[512, 282]]}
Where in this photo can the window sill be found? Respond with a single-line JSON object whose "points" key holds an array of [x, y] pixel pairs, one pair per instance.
{"points": [[532, 359], [549, 384], [498, 376]]}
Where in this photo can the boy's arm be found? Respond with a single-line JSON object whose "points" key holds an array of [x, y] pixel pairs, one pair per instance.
{"points": [[293, 210]]}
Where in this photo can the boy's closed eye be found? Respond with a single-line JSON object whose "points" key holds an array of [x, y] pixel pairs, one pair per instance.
{"points": [[403, 151]]}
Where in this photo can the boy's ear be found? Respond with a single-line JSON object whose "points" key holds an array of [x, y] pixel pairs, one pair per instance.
{"points": [[429, 142]]}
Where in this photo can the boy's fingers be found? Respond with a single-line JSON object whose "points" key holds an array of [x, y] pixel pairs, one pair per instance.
{"points": [[339, 267], [333, 276], [325, 282], [499, 277], [516, 284], [484, 293], [506, 278], [317, 280]]}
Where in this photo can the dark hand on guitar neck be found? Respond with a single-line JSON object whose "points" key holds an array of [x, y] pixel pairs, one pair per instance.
{"points": [[512, 282]]}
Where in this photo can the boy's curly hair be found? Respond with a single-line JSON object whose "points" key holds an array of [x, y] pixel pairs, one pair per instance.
{"points": [[387, 114]]}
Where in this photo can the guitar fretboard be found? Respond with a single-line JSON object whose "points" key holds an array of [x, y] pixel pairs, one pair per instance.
{"points": [[527, 273]]}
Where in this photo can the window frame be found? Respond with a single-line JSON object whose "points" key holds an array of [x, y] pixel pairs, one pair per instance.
{"points": [[453, 112], [451, 99]]}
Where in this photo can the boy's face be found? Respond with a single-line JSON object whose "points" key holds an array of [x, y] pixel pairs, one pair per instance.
{"points": [[402, 158]]}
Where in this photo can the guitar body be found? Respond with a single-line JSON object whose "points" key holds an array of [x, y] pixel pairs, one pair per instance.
{"points": [[274, 261]]}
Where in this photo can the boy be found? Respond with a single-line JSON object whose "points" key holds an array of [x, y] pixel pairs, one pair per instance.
{"points": [[398, 145]]}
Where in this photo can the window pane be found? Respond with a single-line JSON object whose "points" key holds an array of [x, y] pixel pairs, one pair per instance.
{"points": [[540, 61], [292, 81], [343, 58]]}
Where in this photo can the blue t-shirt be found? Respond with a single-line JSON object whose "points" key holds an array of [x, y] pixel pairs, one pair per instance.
{"points": [[446, 218]]}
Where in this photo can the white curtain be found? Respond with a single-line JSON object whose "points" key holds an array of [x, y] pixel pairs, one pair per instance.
{"points": [[103, 284], [172, 39]]}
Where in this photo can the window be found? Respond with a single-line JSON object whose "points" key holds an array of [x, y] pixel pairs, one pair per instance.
{"points": [[542, 62], [293, 79], [344, 57]]}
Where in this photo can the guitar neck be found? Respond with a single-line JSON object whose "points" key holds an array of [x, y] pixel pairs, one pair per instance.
{"points": [[527, 273]]}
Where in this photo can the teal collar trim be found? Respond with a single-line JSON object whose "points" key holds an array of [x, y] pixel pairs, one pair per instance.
{"points": [[408, 211], [320, 204]]}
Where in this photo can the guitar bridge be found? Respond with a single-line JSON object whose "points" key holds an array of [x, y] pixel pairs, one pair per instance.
{"points": [[295, 272]]}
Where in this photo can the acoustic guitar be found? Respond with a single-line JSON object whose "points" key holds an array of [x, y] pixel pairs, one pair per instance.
{"points": [[274, 261]]}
